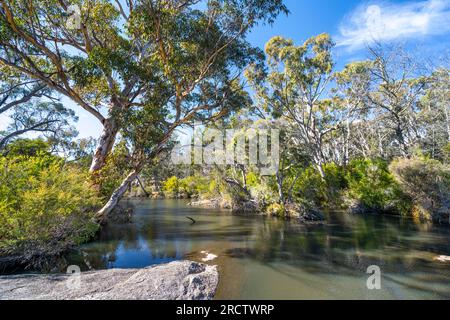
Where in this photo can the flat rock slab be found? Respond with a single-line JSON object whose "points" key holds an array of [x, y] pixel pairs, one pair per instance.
{"points": [[181, 280]]}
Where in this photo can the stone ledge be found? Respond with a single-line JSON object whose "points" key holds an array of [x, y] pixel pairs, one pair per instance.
{"points": [[180, 280]]}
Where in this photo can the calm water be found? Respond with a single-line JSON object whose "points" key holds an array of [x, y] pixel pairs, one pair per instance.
{"points": [[262, 258]]}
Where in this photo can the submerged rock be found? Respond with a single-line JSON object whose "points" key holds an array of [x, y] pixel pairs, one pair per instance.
{"points": [[208, 256], [181, 280], [442, 258]]}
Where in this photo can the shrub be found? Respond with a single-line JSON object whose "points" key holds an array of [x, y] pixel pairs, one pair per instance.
{"points": [[335, 179], [193, 186], [171, 186], [427, 182], [253, 180], [372, 185], [45, 207], [27, 147], [446, 153], [264, 193], [310, 186], [276, 210]]}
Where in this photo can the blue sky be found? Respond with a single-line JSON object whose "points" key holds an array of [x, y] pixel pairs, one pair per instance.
{"points": [[420, 25]]}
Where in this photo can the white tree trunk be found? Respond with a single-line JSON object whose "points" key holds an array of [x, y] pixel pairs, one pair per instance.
{"points": [[105, 145], [116, 196], [447, 122]]}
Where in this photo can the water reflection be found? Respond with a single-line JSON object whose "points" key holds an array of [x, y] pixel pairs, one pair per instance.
{"points": [[270, 258]]}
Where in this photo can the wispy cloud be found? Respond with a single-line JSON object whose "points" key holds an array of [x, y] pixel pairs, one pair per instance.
{"points": [[389, 22]]}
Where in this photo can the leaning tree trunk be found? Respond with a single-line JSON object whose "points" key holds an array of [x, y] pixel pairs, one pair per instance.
{"points": [[105, 145], [116, 196], [318, 162]]}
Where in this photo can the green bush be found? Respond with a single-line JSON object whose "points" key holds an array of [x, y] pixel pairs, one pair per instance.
{"points": [[264, 192], [27, 147], [193, 186], [310, 186], [374, 187], [276, 210], [171, 186], [335, 179], [427, 183], [253, 180], [446, 153], [45, 206]]}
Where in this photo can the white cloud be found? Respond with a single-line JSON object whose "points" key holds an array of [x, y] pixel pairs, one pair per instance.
{"points": [[390, 22]]}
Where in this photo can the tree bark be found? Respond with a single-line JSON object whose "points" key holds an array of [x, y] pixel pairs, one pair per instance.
{"points": [[280, 180], [105, 145], [447, 122], [321, 172], [116, 196]]}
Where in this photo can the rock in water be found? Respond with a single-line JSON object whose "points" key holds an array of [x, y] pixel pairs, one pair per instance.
{"points": [[181, 280], [442, 258]]}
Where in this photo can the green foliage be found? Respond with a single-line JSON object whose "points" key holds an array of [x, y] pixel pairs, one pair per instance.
{"points": [[111, 175], [44, 204], [216, 187], [253, 180], [194, 186], [49, 119], [276, 210], [427, 183], [263, 191], [446, 153], [171, 186], [334, 177], [27, 147], [373, 186], [310, 186], [190, 187], [366, 182], [335, 184]]}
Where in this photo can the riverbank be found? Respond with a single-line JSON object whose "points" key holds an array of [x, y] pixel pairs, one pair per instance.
{"points": [[181, 280], [293, 212]]}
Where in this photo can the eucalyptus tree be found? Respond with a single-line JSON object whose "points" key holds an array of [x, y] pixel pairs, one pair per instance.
{"points": [[107, 56], [144, 67], [434, 114], [48, 119], [31, 107], [294, 88], [352, 85], [397, 85], [197, 56], [37, 41], [393, 107]]}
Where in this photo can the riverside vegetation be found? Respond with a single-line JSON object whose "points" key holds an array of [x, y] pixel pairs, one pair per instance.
{"points": [[371, 138]]}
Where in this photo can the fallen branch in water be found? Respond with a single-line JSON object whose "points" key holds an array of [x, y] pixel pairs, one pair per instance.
{"points": [[193, 221]]}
